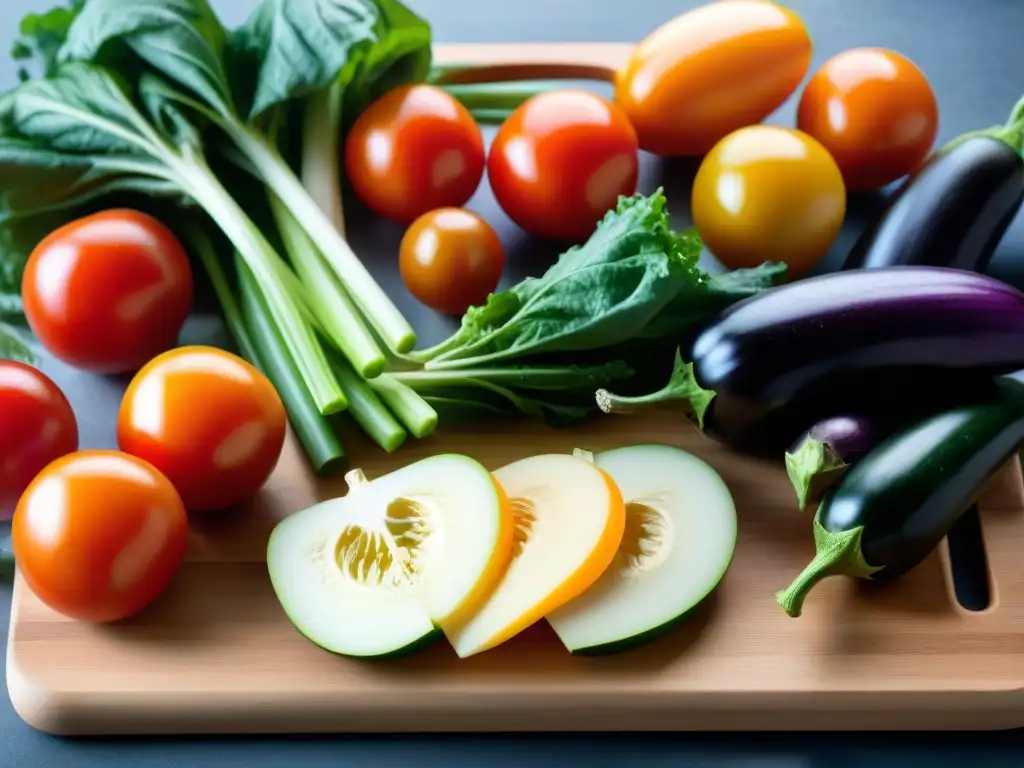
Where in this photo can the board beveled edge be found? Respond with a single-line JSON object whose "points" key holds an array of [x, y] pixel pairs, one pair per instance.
{"points": [[161, 713]]}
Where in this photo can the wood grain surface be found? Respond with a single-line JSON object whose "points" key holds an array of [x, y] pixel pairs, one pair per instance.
{"points": [[216, 653]]}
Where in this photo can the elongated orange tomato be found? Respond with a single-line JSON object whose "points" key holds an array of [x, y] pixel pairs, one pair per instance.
{"points": [[710, 71]]}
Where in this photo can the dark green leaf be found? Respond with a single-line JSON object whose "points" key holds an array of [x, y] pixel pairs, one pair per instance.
{"points": [[181, 39], [742, 283], [80, 109], [697, 303], [164, 105], [54, 181], [13, 345], [599, 294], [290, 48], [41, 36], [401, 55], [483, 397]]}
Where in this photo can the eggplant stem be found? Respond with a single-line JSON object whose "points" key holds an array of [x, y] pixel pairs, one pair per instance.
{"points": [[682, 390], [813, 468], [836, 554]]}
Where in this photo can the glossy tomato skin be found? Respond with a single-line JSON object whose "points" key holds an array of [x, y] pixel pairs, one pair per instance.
{"points": [[107, 292], [208, 420], [37, 425], [451, 259], [874, 111], [560, 161], [413, 149], [711, 71], [767, 193], [98, 535]]}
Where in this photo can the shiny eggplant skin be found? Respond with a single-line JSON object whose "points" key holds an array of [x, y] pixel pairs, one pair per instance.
{"points": [[849, 437], [953, 212], [894, 506], [909, 491], [853, 341], [820, 458]]}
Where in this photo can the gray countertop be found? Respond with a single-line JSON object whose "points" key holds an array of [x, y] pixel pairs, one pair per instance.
{"points": [[970, 51]]}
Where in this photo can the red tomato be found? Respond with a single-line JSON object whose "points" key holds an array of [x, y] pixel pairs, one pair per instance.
{"points": [[874, 111], [37, 426], [415, 148], [451, 259], [561, 160], [98, 535], [207, 419], [109, 291]]}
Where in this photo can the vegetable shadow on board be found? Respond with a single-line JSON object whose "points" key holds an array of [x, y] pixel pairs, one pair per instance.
{"points": [[539, 649], [189, 615], [924, 589]]}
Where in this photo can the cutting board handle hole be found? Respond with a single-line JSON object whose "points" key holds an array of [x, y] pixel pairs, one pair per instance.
{"points": [[968, 562]]}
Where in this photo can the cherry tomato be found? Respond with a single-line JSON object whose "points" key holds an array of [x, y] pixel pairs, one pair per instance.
{"points": [[766, 193], [413, 149], [37, 426], [560, 161], [98, 535], [107, 292], [874, 111], [451, 259], [208, 420], [711, 71]]}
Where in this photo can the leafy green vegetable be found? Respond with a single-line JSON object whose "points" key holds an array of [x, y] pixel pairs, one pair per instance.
{"points": [[81, 123], [293, 48], [183, 41], [606, 312]]}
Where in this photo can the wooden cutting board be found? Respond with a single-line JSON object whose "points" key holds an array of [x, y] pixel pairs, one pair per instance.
{"points": [[216, 653]]}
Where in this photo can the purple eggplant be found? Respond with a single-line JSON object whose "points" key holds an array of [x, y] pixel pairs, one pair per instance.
{"points": [[824, 453], [951, 213], [820, 457], [857, 341]]}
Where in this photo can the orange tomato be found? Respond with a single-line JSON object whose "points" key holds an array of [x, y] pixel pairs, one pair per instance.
{"points": [[711, 71], [451, 259], [413, 149], [108, 291], [98, 535], [766, 193], [211, 422], [874, 111], [560, 161], [37, 425]]}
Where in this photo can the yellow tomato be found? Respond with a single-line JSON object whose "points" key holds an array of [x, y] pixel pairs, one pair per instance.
{"points": [[710, 71], [766, 193]]}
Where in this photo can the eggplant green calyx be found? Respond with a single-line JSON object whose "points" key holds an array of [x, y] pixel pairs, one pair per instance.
{"points": [[682, 389], [1010, 133], [812, 468], [836, 554]]}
